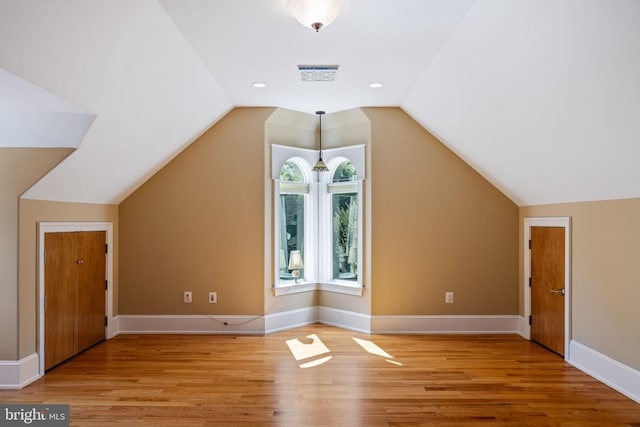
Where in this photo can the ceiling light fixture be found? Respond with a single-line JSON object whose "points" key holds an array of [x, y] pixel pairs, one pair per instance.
{"points": [[259, 84], [376, 85], [320, 166], [315, 13]]}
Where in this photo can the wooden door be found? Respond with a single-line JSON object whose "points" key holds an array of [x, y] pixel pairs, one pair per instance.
{"points": [[547, 287], [74, 287], [61, 299], [91, 288]]}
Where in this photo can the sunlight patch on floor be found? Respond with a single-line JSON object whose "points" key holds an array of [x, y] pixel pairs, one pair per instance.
{"points": [[302, 350], [372, 348], [315, 363], [312, 347]]}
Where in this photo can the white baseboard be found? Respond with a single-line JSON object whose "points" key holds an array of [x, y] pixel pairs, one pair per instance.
{"points": [[616, 375], [524, 329], [463, 324], [344, 319], [290, 319], [198, 324], [365, 323], [202, 324], [16, 374]]}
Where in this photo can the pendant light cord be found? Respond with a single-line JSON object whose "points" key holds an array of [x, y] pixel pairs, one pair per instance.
{"points": [[320, 114], [320, 165]]}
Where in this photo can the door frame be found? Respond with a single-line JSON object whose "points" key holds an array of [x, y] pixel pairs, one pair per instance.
{"points": [[64, 227], [564, 222]]}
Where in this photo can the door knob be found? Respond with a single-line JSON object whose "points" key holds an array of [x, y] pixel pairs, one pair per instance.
{"points": [[557, 291], [80, 261]]}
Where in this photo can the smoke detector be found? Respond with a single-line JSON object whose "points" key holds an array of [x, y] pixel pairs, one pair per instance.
{"points": [[318, 73]]}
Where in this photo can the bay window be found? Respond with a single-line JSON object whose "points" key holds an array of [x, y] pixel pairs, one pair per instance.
{"points": [[320, 215]]}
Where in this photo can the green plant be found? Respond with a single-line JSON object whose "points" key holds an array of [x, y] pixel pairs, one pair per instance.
{"points": [[341, 229], [344, 226]]}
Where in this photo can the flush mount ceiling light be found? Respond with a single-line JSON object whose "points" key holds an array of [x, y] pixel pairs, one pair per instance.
{"points": [[259, 85], [320, 166], [315, 14]]}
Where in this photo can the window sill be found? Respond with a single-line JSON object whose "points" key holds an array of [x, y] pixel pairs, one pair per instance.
{"points": [[293, 288], [336, 287], [341, 288]]}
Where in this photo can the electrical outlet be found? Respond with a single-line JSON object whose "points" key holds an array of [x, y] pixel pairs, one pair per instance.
{"points": [[213, 297], [448, 297], [188, 297]]}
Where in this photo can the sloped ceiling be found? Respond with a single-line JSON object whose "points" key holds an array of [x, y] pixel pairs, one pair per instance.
{"points": [[33, 117], [126, 62], [540, 96]]}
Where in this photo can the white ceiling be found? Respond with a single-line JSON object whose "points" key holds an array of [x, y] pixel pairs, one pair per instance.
{"points": [[542, 97], [59, 122], [372, 41], [125, 61]]}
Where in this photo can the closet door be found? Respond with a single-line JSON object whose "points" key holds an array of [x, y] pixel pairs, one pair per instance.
{"points": [[75, 272], [61, 299], [91, 288]]}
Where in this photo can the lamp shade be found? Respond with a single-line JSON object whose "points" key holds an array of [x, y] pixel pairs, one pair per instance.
{"points": [[320, 166], [315, 13], [295, 260]]}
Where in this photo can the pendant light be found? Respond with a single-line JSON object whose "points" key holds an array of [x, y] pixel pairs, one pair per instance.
{"points": [[320, 166]]}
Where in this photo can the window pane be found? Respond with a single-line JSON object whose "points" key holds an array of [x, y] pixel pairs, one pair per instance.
{"points": [[345, 236], [345, 172], [290, 172], [291, 231]]}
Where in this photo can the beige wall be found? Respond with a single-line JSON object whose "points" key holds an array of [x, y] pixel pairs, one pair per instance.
{"points": [[20, 168], [203, 223], [32, 212], [198, 225], [437, 226], [605, 289]]}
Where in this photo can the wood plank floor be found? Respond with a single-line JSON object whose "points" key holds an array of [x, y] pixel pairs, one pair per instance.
{"points": [[383, 380]]}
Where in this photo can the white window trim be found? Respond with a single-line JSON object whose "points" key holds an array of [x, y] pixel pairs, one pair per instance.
{"points": [[326, 287], [310, 217], [294, 288], [326, 223], [319, 279], [282, 153]]}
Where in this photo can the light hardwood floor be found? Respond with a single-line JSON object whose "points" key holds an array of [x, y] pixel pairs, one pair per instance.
{"points": [[431, 380]]}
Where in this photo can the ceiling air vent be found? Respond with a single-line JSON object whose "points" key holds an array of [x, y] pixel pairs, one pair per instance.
{"points": [[318, 73]]}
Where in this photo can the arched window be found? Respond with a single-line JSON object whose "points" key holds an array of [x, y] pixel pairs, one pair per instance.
{"points": [[344, 222], [293, 204], [291, 172]]}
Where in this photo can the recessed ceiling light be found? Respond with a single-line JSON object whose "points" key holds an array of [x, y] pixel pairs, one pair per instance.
{"points": [[259, 84], [375, 85]]}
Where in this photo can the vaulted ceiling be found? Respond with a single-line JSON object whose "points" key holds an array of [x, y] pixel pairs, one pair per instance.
{"points": [[542, 97]]}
